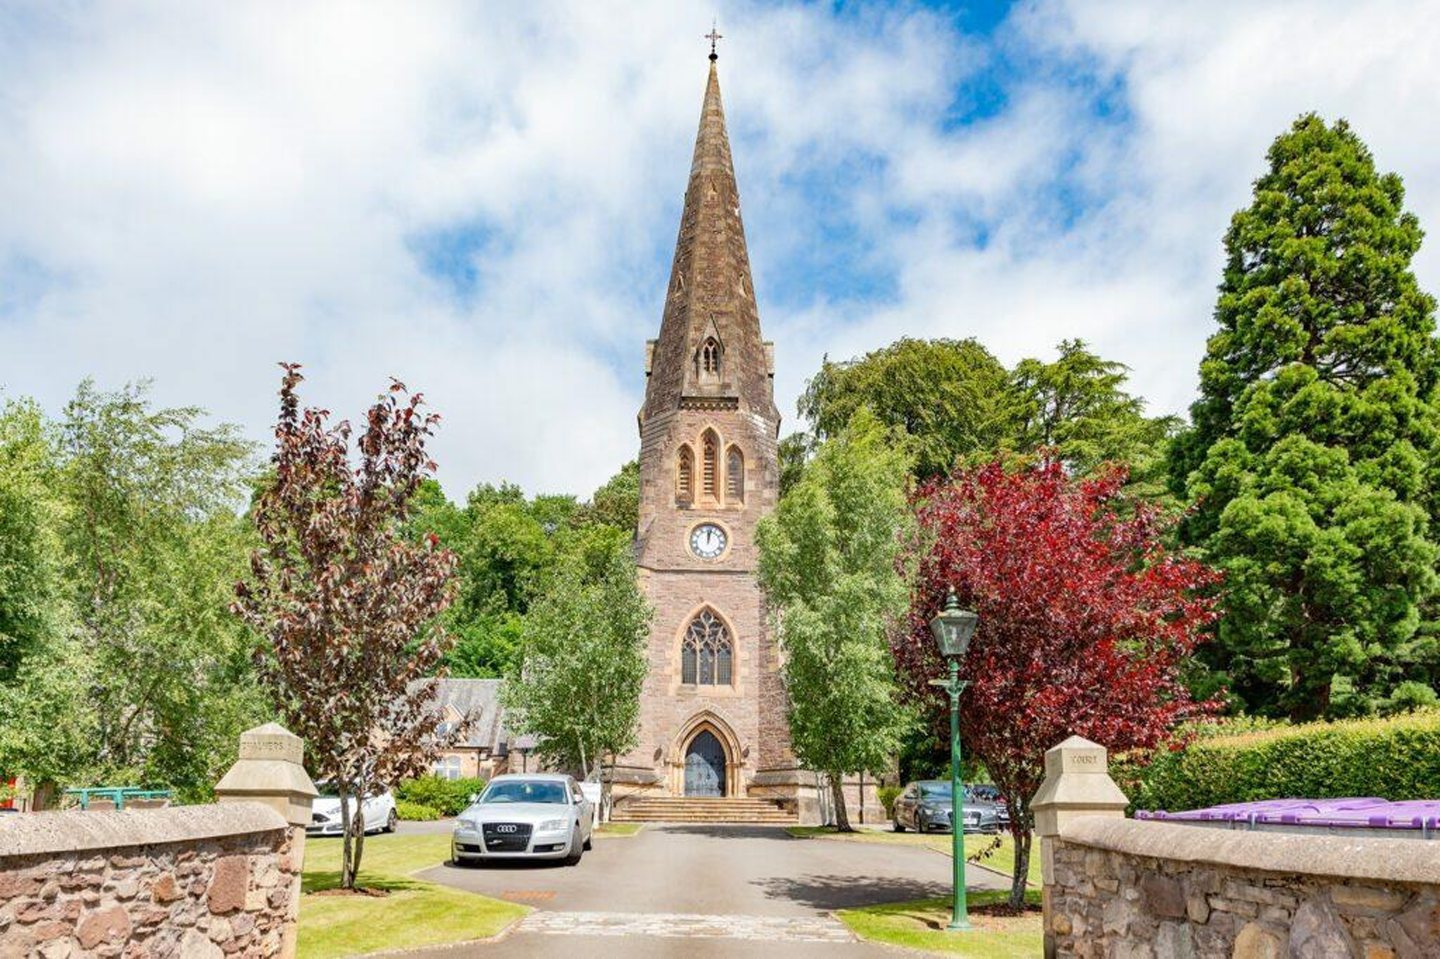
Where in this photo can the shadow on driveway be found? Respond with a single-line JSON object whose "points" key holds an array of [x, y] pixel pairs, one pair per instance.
{"points": [[845, 892], [501, 865], [724, 831]]}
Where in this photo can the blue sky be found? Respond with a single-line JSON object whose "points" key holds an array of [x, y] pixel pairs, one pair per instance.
{"points": [[482, 200]]}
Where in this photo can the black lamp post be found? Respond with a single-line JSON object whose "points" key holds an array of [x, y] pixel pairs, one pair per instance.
{"points": [[953, 627]]}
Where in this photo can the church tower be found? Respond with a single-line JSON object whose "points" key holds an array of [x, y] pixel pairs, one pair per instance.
{"points": [[712, 715]]}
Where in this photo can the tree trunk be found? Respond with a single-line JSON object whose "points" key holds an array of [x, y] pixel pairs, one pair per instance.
{"points": [[1313, 701], [359, 826], [837, 793], [347, 873], [1022, 839], [606, 785]]}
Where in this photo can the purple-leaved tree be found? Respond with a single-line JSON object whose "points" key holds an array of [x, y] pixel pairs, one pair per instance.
{"points": [[347, 604]]}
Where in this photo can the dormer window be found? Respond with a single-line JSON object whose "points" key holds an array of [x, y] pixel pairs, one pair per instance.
{"points": [[708, 359]]}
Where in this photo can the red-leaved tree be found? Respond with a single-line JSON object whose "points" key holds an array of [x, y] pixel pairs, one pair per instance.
{"points": [[347, 602], [1086, 618]]}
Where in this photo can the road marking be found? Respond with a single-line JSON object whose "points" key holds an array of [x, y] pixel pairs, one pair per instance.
{"points": [[672, 925]]}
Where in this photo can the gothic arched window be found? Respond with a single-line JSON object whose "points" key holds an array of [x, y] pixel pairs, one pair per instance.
{"points": [[685, 475], [710, 465], [706, 654], [710, 357], [735, 475]]}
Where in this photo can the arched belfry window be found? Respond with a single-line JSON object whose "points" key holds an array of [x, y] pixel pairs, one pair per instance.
{"points": [[735, 475], [710, 357], [710, 465], [684, 475], [706, 655]]}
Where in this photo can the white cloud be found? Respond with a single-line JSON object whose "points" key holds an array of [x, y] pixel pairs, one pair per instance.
{"points": [[194, 191]]}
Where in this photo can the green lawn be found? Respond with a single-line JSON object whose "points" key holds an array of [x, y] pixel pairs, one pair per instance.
{"points": [[412, 913], [921, 925], [1001, 860]]}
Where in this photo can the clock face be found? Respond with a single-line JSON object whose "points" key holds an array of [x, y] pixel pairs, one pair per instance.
{"points": [[707, 541]]}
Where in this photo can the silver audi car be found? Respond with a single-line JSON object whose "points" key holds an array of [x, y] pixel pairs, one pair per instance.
{"points": [[525, 816]]}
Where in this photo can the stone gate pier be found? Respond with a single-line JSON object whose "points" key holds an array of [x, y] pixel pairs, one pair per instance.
{"points": [[200, 882]]}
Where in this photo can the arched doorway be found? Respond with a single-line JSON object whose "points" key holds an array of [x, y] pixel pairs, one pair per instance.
{"points": [[705, 765]]}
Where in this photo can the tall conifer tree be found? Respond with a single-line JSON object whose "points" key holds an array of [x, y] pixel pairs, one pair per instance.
{"points": [[1313, 454]]}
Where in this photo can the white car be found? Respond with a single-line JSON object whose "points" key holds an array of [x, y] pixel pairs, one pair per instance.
{"points": [[525, 816], [380, 815]]}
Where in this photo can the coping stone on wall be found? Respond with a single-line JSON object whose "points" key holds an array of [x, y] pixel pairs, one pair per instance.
{"points": [[1360, 857], [46, 833]]}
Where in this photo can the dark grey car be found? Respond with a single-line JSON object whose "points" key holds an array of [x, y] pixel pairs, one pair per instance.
{"points": [[924, 806]]}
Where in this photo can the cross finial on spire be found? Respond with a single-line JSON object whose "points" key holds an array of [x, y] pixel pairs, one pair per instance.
{"points": [[713, 36]]}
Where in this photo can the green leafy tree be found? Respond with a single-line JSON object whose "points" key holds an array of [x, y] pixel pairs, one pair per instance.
{"points": [[830, 565], [793, 453], [576, 686], [951, 398], [507, 544], [29, 545], [1077, 406], [51, 729], [1313, 454], [954, 404], [150, 543], [617, 503], [129, 672]]}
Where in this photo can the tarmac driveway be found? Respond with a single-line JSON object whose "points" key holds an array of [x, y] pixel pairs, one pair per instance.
{"points": [[703, 890]]}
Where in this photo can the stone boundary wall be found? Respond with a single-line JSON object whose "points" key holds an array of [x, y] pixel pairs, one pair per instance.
{"points": [[1148, 890], [191, 881]]}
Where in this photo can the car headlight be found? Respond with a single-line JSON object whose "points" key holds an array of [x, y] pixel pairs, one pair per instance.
{"points": [[552, 825], [469, 825]]}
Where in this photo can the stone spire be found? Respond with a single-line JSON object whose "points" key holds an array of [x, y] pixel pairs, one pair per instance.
{"points": [[711, 293]]}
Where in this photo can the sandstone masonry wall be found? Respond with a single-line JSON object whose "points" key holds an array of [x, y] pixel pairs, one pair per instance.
{"points": [[194, 881], [1167, 891]]}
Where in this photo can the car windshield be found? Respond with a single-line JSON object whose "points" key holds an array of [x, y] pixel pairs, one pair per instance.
{"points": [[526, 790], [935, 790]]}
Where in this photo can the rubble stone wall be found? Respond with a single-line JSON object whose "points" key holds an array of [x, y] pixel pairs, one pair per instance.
{"points": [[1163, 891], [195, 881]]}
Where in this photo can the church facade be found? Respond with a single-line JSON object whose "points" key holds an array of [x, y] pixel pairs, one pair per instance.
{"points": [[713, 709]]}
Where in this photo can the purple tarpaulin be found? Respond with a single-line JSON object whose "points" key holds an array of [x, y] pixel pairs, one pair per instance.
{"points": [[1368, 812]]}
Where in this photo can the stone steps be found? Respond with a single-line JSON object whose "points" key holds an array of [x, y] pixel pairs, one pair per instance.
{"points": [[702, 810]]}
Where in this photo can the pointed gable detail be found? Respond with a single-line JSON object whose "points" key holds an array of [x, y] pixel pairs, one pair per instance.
{"points": [[710, 353]]}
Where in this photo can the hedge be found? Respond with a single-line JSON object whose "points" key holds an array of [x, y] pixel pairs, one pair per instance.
{"points": [[1393, 758], [450, 796], [414, 812]]}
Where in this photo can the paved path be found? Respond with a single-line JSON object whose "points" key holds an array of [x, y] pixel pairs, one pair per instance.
{"points": [[702, 891]]}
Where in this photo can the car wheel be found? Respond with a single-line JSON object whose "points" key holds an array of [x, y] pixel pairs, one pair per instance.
{"points": [[577, 850], [896, 825], [391, 821], [589, 842]]}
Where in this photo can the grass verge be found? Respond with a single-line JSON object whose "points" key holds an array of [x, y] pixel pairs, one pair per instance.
{"points": [[1001, 859], [410, 913], [617, 829], [921, 925]]}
